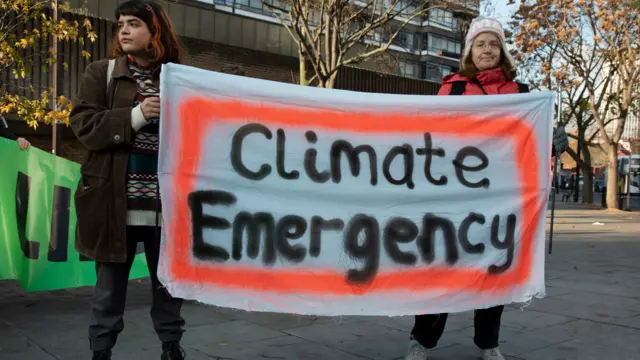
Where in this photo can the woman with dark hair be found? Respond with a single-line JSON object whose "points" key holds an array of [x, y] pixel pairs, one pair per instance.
{"points": [[486, 68], [115, 115]]}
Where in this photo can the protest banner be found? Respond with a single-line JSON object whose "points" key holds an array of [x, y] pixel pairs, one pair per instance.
{"points": [[38, 222], [302, 200]]}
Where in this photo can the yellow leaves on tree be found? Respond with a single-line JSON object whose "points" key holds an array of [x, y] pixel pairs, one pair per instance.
{"points": [[20, 43], [36, 111]]}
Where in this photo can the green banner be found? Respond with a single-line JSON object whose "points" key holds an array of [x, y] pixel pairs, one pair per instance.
{"points": [[38, 222]]}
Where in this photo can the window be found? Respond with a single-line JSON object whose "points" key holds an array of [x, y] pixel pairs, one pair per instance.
{"points": [[407, 7], [255, 4], [435, 72], [224, 2], [435, 43], [408, 69], [406, 40], [277, 4], [443, 17]]}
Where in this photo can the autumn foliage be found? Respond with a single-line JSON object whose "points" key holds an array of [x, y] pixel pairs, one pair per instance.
{"points": [[590, 48], [19, 44]]}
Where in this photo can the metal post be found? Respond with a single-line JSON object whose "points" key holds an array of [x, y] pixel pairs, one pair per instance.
{"points": [[553, 206], [629, 183], [55, 145], [576, 195], [559, 110], [555, 177]]}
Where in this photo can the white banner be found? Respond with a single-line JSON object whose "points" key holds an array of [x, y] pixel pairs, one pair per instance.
{"points": [[284, 198]]}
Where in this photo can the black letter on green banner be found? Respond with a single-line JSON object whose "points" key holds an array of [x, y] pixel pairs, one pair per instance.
{"points": [[59, 238], [29, 248]]}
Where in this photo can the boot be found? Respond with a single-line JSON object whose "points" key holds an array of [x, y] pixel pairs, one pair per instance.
{"points": [[491, 354], [171, 350], [416, 351]]}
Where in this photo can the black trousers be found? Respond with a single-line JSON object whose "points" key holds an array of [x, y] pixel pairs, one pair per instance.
{"points": [[110, 294], [428, 329]]}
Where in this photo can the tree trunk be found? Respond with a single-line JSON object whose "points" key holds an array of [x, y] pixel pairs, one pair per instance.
{"points": [[612, 176], [578, 168], [587, 187], [331, 82], [303, 68], [587, 174]]}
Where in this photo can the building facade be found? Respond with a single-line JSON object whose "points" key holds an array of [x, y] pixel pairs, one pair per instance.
{"points": [[431, 45], [428, 48]]}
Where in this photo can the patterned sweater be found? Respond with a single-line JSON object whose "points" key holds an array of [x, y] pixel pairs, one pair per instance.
{"points": [[143, 195]]}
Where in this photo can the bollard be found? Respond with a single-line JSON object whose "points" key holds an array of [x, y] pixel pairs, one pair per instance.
{"points": [[620, 204], [604, 197]]}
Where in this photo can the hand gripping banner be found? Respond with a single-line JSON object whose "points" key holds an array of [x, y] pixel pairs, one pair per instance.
{"points": [[294, 199]]}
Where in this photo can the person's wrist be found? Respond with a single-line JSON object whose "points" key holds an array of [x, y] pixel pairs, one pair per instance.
{"points": [[138, 119]]}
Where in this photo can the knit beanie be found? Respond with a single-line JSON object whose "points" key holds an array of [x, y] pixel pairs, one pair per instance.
{"points": [[481, 25]]}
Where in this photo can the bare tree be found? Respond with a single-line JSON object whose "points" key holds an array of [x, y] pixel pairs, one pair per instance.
{"points": [[578, 115], [331, 34], [488, 9]]}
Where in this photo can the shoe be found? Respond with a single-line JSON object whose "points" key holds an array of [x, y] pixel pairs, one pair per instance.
{"points": [[491, 354], [171, 350], [416, 351], [102, 355]]}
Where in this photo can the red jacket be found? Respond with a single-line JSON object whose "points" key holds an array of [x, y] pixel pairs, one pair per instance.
{"points": [[493, 82]]}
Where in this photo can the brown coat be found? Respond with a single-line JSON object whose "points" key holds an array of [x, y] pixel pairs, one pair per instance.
{"points": [[101, 119]]}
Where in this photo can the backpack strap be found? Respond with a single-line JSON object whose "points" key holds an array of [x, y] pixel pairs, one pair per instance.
{"points": [[112, 63], [457, 87], [522, 88]]}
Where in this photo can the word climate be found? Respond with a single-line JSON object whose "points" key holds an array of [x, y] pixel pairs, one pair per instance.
{"points": [[343, 147]]}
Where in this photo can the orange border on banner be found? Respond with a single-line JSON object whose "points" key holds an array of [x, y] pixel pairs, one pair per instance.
{"points": [[196, 117]]}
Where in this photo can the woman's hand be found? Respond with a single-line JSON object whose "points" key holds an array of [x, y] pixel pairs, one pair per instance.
{"points": [[150, 107], [23, 143]]}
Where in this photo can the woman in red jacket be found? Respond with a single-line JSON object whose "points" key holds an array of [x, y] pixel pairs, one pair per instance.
{"points": [[486, 68]]}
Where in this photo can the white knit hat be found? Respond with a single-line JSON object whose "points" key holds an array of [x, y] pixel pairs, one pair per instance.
{"points": [[481, 25]]}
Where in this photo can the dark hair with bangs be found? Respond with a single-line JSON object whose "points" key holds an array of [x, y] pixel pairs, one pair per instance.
{"points": [[164, 44]]}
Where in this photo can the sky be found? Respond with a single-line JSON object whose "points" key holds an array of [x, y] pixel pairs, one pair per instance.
{"points": [[503, 11]]}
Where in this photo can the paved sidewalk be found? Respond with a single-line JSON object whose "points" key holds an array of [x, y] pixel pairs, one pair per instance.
{"points": [[592, 312]]}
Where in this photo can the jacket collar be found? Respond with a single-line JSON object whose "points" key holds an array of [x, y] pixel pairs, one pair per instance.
{"points": [[121, 69], [487, 77], [492, 76]]}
